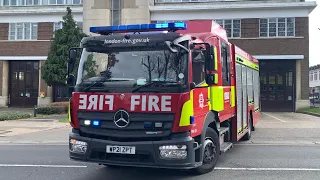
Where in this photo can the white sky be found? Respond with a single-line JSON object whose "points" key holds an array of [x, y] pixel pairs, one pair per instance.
{"points": [[314, 34]]}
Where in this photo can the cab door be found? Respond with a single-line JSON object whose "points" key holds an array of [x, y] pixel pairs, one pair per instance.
{"points": [[225, 60], [200, 92]]}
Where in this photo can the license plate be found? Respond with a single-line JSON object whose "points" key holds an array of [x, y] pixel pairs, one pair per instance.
{"points": [[121, 149]]}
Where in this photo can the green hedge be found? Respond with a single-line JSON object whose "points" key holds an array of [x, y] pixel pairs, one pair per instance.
{"points": [[13, 116], [54, 108]]}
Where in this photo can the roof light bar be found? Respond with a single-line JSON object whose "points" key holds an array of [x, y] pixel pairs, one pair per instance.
{"points": [[139, 28]]}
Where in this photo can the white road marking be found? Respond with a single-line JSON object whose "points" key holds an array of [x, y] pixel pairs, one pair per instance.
{"points": [[41, 165], [274, 117], [267, 169], [278, 144], [33, 144], [216, 168]]}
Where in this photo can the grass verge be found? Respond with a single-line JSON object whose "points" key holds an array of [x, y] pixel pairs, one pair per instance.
{"points": [[14, 116], [313, 110], [65, 120]]}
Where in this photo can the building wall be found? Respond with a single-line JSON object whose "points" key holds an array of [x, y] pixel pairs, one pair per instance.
{"points": [[99, 12], [295, 48], [298, 45], [25, 50], [314, 78]]}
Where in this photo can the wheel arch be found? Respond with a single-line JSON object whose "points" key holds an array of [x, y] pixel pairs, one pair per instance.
{"points": [[211, 120]]}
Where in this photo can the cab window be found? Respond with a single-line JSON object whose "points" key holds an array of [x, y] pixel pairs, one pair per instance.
{"points": [[225, 63], [198, 60]]}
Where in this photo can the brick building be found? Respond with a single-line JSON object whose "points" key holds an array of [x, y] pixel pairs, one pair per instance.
{"points": [[314, 78], [275, 31], [26, 28]]}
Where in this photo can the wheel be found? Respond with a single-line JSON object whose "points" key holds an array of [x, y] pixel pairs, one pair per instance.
{"points": [[211, 153], [248, 135]]}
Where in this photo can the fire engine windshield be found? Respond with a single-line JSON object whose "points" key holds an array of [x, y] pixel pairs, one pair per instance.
{"points": [[128, 71]]}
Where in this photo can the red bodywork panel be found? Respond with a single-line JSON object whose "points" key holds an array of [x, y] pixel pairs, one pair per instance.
{"points": [[203, 31], [145, 103]]}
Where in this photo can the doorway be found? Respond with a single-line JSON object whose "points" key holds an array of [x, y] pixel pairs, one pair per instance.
{"points": [[277, 79], [23, 83]]}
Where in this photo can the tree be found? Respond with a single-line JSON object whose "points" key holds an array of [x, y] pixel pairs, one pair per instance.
{"points": [[54, 71]]}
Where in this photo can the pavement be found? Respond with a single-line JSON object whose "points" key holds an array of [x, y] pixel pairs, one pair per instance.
{"points": [[284, 146], [45, 129]]}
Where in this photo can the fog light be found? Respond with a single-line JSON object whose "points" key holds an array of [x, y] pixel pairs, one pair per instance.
{"points": [[87, 122], [78, 146], [158, 125], [173, 151]]}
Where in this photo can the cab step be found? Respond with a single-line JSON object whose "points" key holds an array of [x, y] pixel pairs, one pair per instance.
{"points": [[224, 147], [223, 130]]}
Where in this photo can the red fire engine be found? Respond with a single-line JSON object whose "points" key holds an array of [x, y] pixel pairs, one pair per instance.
{"points": [[169, 95]]}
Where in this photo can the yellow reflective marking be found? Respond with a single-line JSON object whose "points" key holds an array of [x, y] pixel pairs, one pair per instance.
{"points": [[233, 96], [187, 111], [216, 80], [246, 62], [215, 59], [69, 112], [217, 98]]}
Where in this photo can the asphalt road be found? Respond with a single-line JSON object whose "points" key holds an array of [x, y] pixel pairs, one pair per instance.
{"points": [[51, 162]]}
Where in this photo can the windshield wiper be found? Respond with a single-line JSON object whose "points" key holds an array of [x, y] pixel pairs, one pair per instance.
{"points": [[151, 83], [102, 81], [95, 83]]}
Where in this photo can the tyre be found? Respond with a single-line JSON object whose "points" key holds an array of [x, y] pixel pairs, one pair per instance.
{"points": [[248, 135], [211, 153]]}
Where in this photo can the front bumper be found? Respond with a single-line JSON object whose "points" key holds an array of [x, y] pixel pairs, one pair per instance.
{"points": [[147, 153]]}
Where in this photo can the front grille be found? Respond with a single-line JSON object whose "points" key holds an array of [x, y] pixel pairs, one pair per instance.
{"points": [[134, 131], [139, 157]]}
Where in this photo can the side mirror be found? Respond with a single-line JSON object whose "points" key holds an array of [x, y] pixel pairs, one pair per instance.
{"points": [[210, 66], [72, 55], [72, 59], [192, 85], [70, 80]]}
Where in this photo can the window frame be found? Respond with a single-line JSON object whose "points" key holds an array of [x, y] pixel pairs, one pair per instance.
{"points": [[225, 63], [202, 63], [232, 27], [61, 25], [40, 3], [31, 25], [112, 10], [277, 27]]}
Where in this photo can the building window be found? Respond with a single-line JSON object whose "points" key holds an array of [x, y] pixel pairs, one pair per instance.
{"points": [[58, 25], [80, 25], [277, 27], [23, 31], [311, 77], [115, 11], [315, 76], [177, 1], [38, 2], [232, 26]]}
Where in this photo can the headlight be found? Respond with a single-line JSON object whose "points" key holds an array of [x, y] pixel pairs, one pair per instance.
{"points": [[78, 146], [173, 152]]}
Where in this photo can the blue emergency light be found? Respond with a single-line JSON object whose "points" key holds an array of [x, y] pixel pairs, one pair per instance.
{"points": [[96, 123], [139, 28]]}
